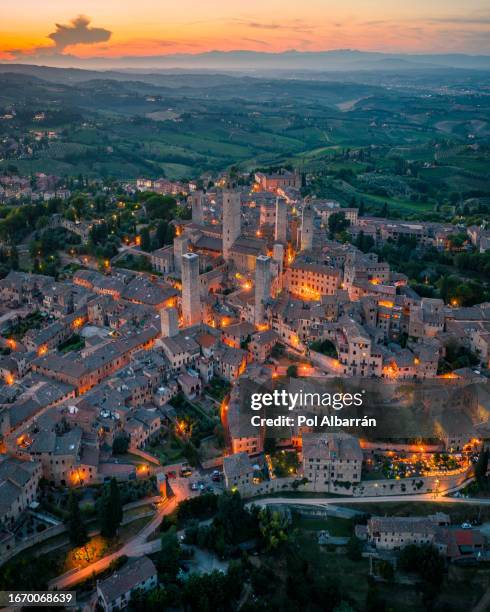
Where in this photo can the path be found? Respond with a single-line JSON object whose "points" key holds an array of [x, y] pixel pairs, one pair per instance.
{"points": [[133, 250], [133, 548]]}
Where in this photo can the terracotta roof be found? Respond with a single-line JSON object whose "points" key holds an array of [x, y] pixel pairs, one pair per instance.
{"points": [[135, 572]]}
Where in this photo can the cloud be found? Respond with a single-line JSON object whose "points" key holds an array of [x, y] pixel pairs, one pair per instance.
{"points": [[477, 20], [257, 41], [78, 32], [294, 25], [483, 20], [263, 26]]}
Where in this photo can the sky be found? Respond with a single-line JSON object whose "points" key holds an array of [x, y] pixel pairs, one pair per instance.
{"points": [[43, 29]]}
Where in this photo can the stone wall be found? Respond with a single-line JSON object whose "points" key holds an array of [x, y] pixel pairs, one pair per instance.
{"points": [[411, 486], [325, 363], [366, 488]]}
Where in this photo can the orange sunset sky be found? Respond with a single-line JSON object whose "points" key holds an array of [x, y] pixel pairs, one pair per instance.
{"points": [[38, 29]]}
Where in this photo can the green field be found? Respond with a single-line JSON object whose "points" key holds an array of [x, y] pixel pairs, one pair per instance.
{"points": [[207, 123]]}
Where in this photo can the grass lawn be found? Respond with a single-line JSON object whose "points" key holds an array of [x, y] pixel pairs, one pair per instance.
{"points": [[338, 527], [402, 598], [168, 452], [218, 388], [352, 576], [395, 203], [75, 343], [458, 512], [98, 546], [199, 412], [209, 449], [136, 513], [130, 458]]}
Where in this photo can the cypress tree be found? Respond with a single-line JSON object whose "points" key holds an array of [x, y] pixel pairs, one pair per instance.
{"points": [[75, 524], [481, 469], [110, 510]]}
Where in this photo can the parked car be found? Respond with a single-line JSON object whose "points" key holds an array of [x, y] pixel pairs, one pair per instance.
{"points": [[186, 472]]}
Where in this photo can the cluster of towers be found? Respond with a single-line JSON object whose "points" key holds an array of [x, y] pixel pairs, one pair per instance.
{"points": [[187, 264]]}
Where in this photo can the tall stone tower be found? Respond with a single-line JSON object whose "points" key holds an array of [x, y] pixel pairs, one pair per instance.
{"points": [[262, 286], [280, 233], [278, 257], [169, 321], [231, 220], [181, 246], [191, 298], [196, 202], [307, 229]]}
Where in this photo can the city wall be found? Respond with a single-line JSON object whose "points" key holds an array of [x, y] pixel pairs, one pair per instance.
{"points": [[370, 488]]}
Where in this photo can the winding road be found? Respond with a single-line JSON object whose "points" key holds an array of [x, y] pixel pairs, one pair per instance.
{"points": [[139, 544]]}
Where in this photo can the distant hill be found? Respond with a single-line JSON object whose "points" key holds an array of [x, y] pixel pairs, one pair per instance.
{"points": [[255, 61]]}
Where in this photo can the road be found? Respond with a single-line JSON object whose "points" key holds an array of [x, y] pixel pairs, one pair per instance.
{"points": [[135, 547], [319, 501], [65, 581], [138, 545], [129, 248]]}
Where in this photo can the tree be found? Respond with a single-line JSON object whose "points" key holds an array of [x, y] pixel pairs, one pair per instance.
{"points": [[354, 549], [273, 528], [456, 241], [481, 469], [309, 586], [110, 510], [120, 445], [160, 206], [385, 570], [344, 607], [292, 371], [337, 223], [233, 522], [213, 591], [326, 347], [374, 603], [149, 601], [190, 453], [270, 446], [219, 434], [145, 242], [77, 530], [423, 560], [363, 242], [168, 558], [164, 233], [79, 203], [201, 507], [362, 208], [99, 233]]}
